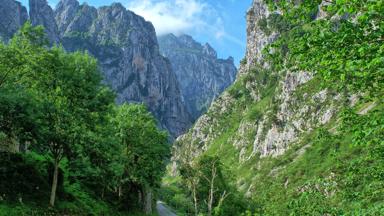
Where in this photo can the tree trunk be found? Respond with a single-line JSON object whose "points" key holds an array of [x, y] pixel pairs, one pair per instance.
{"points": [[140, 197], [210, 200], [54, 182], [120, 192], [195, 199], [211, 190], [148, 200]]}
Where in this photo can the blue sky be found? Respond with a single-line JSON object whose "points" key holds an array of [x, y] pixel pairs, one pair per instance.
{"points": [[221, 23]]}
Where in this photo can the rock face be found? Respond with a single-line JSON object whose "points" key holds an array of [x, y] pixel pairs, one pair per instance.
{"points": [[257, 39], [42, 14], [202, 76], [127, 49], [13, 16]]}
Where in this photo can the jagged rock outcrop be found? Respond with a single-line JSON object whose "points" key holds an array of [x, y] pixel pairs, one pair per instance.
{"points": [[202, 76], [41, 13], [65, 12], [257, 39], [128, 53], [13, 16]]}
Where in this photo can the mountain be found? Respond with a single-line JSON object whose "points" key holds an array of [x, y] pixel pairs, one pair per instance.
{"points": [[202, 76], [125, 46], [13, 16], [298, 129]]}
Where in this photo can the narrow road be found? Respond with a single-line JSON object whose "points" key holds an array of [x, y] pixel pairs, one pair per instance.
{"points": [[163, 210]]}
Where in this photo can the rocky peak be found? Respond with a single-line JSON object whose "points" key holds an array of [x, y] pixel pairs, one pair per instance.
{"points": [[257, 39], [117, 6], [188, 41], [230, 59], [42, 14], [65, 12], [13, 16], [121, 26], [201, 75], [209, 51]]}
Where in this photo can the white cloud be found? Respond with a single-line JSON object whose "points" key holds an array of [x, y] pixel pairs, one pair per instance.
{"points": [[183, 16], [172, 16]]}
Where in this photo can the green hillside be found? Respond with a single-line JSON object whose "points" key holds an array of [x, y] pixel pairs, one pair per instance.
{"points": [[301, 132]]}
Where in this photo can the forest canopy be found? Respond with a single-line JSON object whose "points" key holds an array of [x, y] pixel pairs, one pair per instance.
{"points": [[65, 142]]}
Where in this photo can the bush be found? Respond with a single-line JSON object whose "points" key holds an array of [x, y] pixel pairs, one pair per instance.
{"points": [[26, 177]]}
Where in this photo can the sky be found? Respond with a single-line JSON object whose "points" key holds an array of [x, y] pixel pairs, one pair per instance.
{"points": [[221, 23]]}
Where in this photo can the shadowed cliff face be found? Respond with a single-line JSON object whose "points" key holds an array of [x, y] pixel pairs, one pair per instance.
{"points": [[202, 76], [124, 44], [42, 14], [12, 17]]}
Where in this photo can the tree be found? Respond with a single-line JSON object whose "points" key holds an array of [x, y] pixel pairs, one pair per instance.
{"points": [[76, 100], [146, 151], [18, 114], [19, 110], [206, 183], [191, 177], [66, 87]]}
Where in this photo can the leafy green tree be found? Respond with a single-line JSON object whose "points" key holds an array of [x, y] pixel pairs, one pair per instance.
{"points": [[206, 183], [67, 88], [146, 150], [19, 109]]}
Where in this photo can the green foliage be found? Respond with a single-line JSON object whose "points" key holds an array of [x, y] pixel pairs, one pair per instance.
{"points": [[145, 148], [26, 177], [53, 104], [273, 23], [77, 34], [363, 182], [207, 183], [343, 51], [175, 193], [243, 61]]}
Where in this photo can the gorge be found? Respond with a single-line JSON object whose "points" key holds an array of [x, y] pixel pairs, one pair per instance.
{"points": [[298, 129]]}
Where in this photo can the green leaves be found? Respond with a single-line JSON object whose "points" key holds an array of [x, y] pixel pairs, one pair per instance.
{"points": [[146, 147], [55, 101], [343, 51]]}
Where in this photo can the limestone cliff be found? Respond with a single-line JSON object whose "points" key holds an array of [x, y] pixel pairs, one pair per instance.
{"points": [[202, 76], [42, 14], [13, 16]]}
